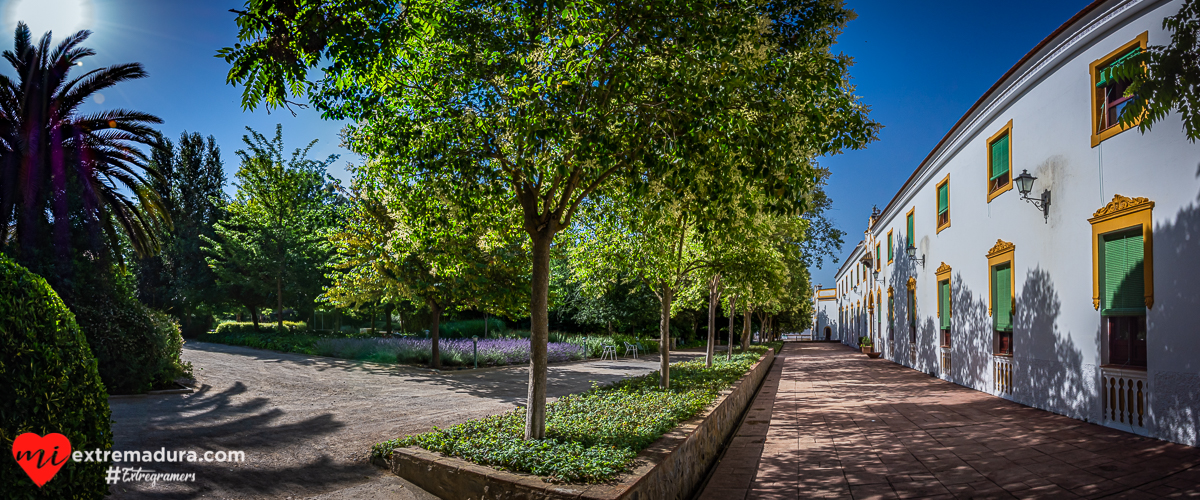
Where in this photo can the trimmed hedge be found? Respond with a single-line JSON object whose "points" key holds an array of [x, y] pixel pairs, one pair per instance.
{"points": [[590, 437], [236, 328], [49, 383], [138, 348]]}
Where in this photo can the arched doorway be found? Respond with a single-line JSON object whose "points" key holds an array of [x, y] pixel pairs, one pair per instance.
{"points": [[828, 333]]}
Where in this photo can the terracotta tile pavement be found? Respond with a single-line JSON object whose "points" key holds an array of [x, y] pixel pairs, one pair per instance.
{"points": [[830, 423]]}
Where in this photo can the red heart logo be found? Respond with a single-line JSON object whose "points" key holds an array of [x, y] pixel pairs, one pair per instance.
{"points": [[41, 457]]}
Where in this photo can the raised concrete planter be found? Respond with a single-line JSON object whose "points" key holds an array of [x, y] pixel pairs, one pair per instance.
{"points": [[672, 467]]}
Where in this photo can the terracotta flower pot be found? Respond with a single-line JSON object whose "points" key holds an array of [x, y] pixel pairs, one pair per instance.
{"points": [[874, 355]]}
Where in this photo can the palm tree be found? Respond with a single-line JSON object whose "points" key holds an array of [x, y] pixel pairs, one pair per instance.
{"points": [[70, 181]]}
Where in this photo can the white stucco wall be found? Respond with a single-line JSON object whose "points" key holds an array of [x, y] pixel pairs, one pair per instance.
{"points": [[1057, 331]]}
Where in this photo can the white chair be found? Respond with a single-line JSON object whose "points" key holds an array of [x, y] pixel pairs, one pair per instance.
{"points": [[631, 350], [610, 351]]}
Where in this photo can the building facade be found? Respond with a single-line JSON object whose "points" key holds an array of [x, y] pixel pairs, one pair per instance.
{"points": [[1081, 297]]}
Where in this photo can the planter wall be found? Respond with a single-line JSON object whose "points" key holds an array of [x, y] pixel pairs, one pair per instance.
{"points": [[671, 468]]}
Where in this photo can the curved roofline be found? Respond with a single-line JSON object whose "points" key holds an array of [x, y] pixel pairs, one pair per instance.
{"points": [[996, 86]]}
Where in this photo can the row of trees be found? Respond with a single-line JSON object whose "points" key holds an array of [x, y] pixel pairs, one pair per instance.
{"points": [[670, 124]]}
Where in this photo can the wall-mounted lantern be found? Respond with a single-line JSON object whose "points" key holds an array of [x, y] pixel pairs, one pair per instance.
{"points": [[912, 255], [1024, 184]]}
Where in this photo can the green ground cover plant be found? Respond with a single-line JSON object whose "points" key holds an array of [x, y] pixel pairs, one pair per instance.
{"points": [[590, 437]]}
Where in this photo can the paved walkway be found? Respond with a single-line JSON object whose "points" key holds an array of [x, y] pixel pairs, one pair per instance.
{"points": [[307, 423], [829, 423]]}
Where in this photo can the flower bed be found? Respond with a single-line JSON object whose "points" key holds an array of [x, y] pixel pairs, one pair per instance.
{"points": [[590, 437], [454, 352]]}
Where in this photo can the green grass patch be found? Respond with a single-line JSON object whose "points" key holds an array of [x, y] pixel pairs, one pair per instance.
{"points": [[590, 437]]}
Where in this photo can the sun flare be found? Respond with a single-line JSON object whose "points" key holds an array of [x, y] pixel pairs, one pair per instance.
{"points": [[62, 17]]}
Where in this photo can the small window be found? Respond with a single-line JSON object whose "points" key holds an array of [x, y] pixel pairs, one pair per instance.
{"points": [[999, 162], [909, 236], [878, 262], [944, 311], [943, 204], [891, 316], [891, 247], [1123, 297], [1109, 93], [912, 316], [1002, 308]]}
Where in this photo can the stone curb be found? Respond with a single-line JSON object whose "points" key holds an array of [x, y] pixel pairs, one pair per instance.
{"points": [[674, 466]]}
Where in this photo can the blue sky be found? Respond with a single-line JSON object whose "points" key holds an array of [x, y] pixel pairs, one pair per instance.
{"points": [[919, 65]]}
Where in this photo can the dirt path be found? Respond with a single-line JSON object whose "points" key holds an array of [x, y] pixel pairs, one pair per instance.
{"points": [[307, 423]]}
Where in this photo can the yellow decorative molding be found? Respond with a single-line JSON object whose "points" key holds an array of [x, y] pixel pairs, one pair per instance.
{"points": [[937, 188], [1000, 247], [994, 191], [1119, 205], [912, 283], [942, 270], [1121, 214], [891, 292]]}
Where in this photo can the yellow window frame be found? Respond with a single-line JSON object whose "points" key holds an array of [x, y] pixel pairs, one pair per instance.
{"points": [[987, 176], [944, 182], [1097, 100], [1002, 252], [1118, 215]]}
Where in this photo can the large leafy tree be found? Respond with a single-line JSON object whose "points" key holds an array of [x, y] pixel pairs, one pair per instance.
{"points": [[545, 106], [274, 243], [178, 280], [71, 181], [404, 245]]}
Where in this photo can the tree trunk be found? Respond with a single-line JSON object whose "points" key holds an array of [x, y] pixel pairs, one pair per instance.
{"points": [[435, 353], [388, 311], [746, 333], [253, 317], [664, 337], [539, 333], [610, 328], [714, 297], [732, 308], [279, 297]]}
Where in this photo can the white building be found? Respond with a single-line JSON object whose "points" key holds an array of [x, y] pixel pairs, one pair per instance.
{"points": [[1090, 309]]}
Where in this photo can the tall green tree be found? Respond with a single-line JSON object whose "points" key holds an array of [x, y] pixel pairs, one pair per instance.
{"points": [[274, 242], [413, 246], [178, 280], [545, 106], [71, 182]]}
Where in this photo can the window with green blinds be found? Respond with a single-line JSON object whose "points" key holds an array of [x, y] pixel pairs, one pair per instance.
{"points": [[944, 299], [1002, 297], [1000, 163], [878, 263], [891, 251], [943, 194], [910, 232], [1123, 282]]}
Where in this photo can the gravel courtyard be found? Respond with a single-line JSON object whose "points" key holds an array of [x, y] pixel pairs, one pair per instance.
{"points": [[307, 423]]}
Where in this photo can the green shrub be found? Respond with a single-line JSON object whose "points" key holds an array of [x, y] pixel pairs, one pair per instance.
{"points": [[590, 437], [234, 327], [138, 348], [48, 383], [466, 329]]}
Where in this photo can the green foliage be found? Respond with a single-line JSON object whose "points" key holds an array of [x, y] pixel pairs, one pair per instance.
{"points": [[590, 437], [48, 383], [138, 348], [99, 199], [266, 339], [234, 327], [1166, 78], [178, 280], [466, 329], [865, 341], [273, 247]]}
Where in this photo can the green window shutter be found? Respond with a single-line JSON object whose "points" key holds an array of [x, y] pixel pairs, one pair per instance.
{"points": [[1000, 157], [891, 310], [878, 263], [1002, 298], [891, 250], [944, 298], [1124, 285], [910, 232], [943, 198]]}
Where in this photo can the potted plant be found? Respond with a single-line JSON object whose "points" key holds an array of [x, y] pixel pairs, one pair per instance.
{"points": [[868, 347]]}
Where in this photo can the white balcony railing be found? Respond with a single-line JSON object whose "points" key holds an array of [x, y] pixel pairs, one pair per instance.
{"points": [[946, 361], [1002, 375], [1125, 396]]}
